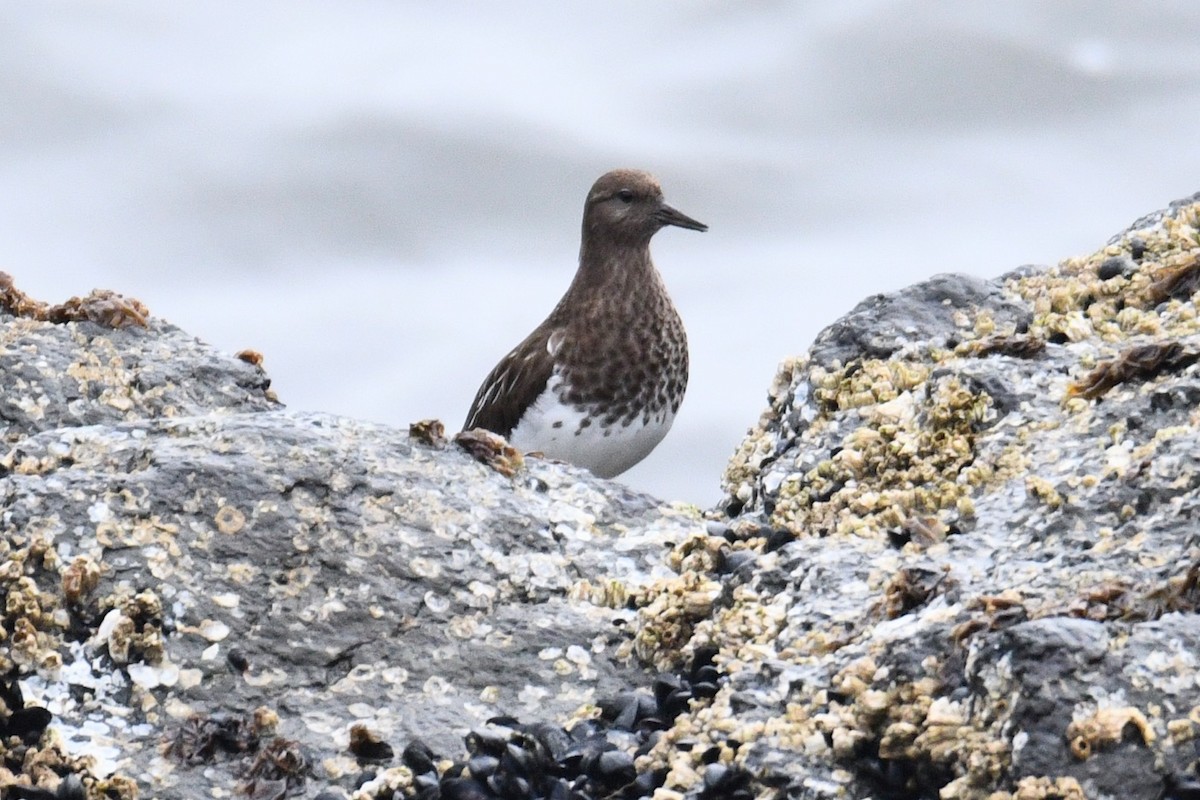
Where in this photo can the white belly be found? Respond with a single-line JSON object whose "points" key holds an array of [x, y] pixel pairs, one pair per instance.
{"points": [[559, 431]]}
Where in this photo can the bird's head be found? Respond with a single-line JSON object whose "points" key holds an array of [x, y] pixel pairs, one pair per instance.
{"points": [[626, 206]]}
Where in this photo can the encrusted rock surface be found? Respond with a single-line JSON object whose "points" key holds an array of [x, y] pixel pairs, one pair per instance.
{"points": [[176, 546], [957, 559], [993, 586]]}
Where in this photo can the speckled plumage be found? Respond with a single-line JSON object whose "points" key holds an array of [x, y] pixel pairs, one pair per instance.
{"points": [[599, 382]]}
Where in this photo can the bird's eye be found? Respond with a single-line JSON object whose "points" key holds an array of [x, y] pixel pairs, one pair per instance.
{"points": [[626, 196]]}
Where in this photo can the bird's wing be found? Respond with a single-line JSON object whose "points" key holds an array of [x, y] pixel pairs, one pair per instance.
{"points": [[515, 383]]}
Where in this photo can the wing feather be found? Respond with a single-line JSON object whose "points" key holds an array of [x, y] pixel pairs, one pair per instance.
{"points": [[514, 384]]}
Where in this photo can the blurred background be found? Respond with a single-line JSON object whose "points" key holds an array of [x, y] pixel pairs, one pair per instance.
{"points": [[384, 197]]}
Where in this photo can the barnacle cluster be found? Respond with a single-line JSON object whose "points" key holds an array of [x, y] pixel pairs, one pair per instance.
{"points": [[131, 629], [44, 598], [102, 306], [33, 615], [668, 616], [912, 453], [902, 735], [1042, 788], [1139, 285]]}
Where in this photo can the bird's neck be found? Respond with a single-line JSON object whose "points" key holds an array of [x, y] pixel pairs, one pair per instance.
{"points": [[613, 267], [612, 284]]}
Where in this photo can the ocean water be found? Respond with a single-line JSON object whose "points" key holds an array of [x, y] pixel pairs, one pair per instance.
{"points": [[384, 197]]}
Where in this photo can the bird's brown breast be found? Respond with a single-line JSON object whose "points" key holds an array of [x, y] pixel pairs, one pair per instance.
{"points": [[625, 352]]}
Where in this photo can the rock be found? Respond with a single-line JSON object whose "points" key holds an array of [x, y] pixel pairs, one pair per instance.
{"points": [[78, 374], [922, 314], [180, 551], [994, 587], [956, 559]]}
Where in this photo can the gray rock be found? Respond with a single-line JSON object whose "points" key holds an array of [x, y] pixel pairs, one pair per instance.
{"points": [[993, 591], [1155, 218], [233, 555], [923, 313], [956, 558], [58, 376]]}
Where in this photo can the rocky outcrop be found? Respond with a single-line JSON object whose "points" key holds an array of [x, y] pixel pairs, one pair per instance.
{"points": [[956, 559], [179, 551], [994, 583]]}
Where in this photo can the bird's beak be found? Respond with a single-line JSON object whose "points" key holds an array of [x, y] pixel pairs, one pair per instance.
{"points": [[669, 216]]}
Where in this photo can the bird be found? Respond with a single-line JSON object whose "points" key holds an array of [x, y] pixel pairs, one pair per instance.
{"points": [[599, 382]]}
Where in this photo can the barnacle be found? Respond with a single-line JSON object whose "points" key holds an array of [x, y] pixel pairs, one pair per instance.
{"points": [[429, 431], [1107, 726], [80, 578], [1041, 788]]}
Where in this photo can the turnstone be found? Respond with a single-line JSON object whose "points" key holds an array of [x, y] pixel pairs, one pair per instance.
{"points": [[598, 383]]}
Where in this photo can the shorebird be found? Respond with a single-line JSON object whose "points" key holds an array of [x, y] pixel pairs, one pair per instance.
{"points": [[599, 382]]}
